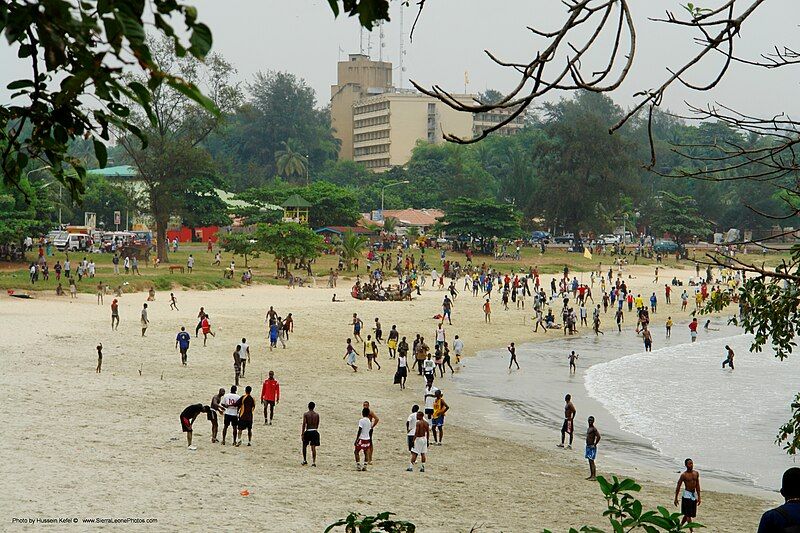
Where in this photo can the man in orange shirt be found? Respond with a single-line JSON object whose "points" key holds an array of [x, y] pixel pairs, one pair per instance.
{"points": [[270, 395]]}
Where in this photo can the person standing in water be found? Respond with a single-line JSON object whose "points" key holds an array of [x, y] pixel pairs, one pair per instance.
{"points": [[690, 479], [513, 351], [573, 357], [729, 360]]}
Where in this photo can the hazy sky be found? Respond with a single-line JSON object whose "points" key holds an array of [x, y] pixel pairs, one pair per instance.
{"points": [[302, 37]]}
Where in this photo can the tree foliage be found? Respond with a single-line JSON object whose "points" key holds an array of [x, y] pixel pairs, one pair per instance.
{"points": [[483, 219], [24, 211], [76, 52], [331, 205], [241, 244], [289, 241], [679, 217], [351, 246]]}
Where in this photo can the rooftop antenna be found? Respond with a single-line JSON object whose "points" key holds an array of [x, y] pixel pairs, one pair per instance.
{"points": [[381, 44], [402, 49]]}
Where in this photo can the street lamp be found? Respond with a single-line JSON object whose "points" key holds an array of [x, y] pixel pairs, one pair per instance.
{"points": [[383, 190], [60, 189]]}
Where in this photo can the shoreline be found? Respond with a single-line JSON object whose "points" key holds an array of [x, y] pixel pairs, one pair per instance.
{"points": [[622, 449]]}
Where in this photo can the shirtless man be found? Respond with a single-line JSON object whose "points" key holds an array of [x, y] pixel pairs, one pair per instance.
{"points": [[729, 360], [691, 492], [513, 351], [592, 438], [569, 419], [421, 436], [572, 358], [309, 433], [216, 409]]}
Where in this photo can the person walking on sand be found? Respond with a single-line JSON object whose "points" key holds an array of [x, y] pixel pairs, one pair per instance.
{"points": [[206, 327], [99, 358], [350, 355], [690, 500], [487, 311], [573, 358], [237, 366], [729, 360], [182, 343], [513, 351], [363, 440], [145, 322], [392, 342], [244, 354], [592, 439], [440, 408], [411, 424], [420, 448], [374, 420], [309, 433], [402, 369], [246, 405], [188, 417], [270, 396], [357, 324], [200, 316], [668, 326], [568, 427], [371, 353], [173, 302], [114, 314], [100, 291]]}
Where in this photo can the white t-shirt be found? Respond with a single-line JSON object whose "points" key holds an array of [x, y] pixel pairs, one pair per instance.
{"points": [[229, 403], [428, 366], [364, 427], [430, 396], [243, 350], [440, 335], [458, 346], [412, 423], [402, 362], [190, 262]]}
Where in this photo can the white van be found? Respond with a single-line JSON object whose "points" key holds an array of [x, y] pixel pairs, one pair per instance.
{"points": [[72, 242]]}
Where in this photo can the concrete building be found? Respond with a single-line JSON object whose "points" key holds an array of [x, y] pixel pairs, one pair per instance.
{"points": [[379, 125]]}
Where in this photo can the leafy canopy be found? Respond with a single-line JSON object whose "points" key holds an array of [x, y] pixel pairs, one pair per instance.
{"points": [[480, 218], [289, 241]]}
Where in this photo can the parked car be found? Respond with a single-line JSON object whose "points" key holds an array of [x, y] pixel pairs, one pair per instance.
{"points": [[567, 238], [540, 236], [665, 246], [609, 239]]}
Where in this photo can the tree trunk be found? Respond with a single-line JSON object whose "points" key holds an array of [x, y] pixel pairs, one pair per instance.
{"points": [[162, 246]]}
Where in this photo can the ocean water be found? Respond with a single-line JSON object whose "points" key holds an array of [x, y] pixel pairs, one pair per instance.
{"points": [[680, 400], [652, 408]]}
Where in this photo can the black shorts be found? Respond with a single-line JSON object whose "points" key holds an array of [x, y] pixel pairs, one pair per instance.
{"points": [[410, 439], [567, 427], [244, 424], [311, 437], [429, 412], [186, 424], [689, 507], [269, 402], [231, 420], [212, 416]]}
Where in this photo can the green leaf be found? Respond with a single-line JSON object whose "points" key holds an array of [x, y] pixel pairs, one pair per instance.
{"points": [[201, 41], [191, 91], [19, 84], [100, 153]]}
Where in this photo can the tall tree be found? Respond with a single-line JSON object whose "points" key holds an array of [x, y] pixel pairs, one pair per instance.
{"points": [[289, 242], [173, 161], [678, 216], [483, 219], [289, 163]]}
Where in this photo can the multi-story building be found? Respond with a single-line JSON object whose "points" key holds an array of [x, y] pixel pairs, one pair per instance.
{"points": [[379, 125]]}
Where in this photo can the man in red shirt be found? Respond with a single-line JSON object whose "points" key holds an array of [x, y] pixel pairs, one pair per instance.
{"points": [[693, 329], [667, 292], [270, 395]]}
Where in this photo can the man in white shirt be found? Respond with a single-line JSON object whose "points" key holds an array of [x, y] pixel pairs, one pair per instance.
{"points": [[190, 263], [363, 439], [244, 354], [458, 348], [440, 335], [231, 413], [429, 397], [411, 426]]}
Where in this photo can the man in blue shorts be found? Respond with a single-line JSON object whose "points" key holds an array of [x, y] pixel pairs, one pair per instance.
{"points": [[592, 438]]}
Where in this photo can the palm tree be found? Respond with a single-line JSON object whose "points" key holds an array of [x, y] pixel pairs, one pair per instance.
{"points": [[412, 233], [290, 163], [351, 247], [389, 225]]}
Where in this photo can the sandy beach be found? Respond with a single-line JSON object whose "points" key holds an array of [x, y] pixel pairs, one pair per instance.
{"points": [[85, 445]]}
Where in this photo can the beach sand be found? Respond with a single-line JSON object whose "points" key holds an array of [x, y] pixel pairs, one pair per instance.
{"points": [[84, 445]]}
